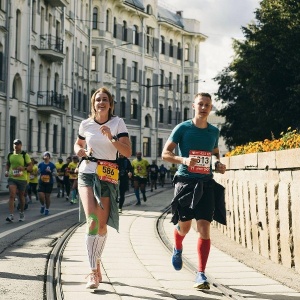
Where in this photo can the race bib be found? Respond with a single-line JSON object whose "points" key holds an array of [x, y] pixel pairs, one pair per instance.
{"points": [[203, 164], [45, 178], [108, 171], [17, 173]]}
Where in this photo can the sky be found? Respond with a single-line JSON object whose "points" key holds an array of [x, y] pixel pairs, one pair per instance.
{"points": [[220, 21]]}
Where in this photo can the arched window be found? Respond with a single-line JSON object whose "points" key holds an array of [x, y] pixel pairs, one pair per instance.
{"points": [[186, 52], [171, 48], [149, 10], [40, 78], [95, 18], [148, 92], [124, 31], [17, 87], [147, 123], [162, 45], [135, 35], [122, 108]]}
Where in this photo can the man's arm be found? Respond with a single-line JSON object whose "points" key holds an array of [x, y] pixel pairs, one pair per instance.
{"points": [[219, 167], [168, 154]]}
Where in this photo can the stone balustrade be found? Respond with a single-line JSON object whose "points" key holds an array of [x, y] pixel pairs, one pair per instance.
{"points": [[263, 204]]}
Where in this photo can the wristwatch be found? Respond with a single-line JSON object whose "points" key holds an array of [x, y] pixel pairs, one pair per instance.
{"points": [[114, 139]]}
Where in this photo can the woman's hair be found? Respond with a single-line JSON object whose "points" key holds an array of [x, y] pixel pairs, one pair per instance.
{"points": [[110, 98]]}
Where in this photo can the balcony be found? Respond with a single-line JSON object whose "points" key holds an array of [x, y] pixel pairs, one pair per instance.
{"points": [[51, 48], [50, 102], [56, 3]]}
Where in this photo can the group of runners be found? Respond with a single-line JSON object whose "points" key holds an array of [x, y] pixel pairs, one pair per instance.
{"points": [[28, 180]]}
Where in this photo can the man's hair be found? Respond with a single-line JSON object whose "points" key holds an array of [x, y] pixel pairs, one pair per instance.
{"points": [[203, 94]]}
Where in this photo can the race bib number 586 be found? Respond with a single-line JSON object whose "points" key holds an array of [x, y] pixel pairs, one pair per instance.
{"points": [[203, 162], [107, 171]]}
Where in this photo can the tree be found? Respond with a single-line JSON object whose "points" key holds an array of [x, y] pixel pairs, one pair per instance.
{"points": [[260, 89]]}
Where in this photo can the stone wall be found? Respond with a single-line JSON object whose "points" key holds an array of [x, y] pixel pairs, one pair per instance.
{"points": [[263, 204]]}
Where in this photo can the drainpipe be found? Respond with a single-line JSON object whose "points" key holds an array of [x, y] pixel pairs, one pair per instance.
{"points": [[142, 85], [72, 84], [29, 74], [8, 142]]}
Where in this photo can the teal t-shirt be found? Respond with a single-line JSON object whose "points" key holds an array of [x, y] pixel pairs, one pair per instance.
{"points": [[194, 141]]}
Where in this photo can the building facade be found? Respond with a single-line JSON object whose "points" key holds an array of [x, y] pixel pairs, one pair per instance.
{"points": [[55, 54]]}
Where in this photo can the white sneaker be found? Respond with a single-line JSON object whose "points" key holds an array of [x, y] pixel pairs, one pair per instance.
{"points": [[10, 218], [22, 217]]}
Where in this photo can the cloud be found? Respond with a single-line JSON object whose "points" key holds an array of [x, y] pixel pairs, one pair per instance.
{"points": [[221, 21]]}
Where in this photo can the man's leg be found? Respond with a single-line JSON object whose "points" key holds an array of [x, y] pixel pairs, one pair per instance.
{"points": [[137, 191]]}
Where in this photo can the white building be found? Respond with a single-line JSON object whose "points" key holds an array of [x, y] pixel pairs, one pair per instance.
{"points": [[54, 54]]}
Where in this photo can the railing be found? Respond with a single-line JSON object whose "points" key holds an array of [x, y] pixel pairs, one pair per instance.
{"points": [[51, 42], [50, 98]]}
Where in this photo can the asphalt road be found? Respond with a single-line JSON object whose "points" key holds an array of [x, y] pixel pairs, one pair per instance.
{"points": [[25, 247]]}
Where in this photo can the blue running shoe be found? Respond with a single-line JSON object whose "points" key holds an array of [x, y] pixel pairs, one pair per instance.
{"points": [[177, 259], [201, 282], [46, 212], [42, 210]]}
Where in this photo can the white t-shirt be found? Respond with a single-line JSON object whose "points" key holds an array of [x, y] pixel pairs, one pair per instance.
{"points": [[102, 147]]}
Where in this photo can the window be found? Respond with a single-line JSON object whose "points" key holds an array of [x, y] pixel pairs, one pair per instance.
{"points": [[133, 144], [161, 113], [1, 63], [146, 147], [93, 63], [178, 83], [55, 134], [186, 84], [115, 28], [18, 35], [39, 136], [134, 109], [123, 68], [47, 136], [134, 71], [149, 41], [148, 92], [162, 78], [159, 147], [34, 13], [32, 76], [171, 48], [122, 107], [179, 50], [63, 140], [147, 121], [107, 27], [113, 67], [186, 52], [170, 80], [95, 18], [124, 31], [169, 115], [162, 45], [106, 63], [12, 130], [79, 100], [185, 114], [84, 103], [135, 35], [149, 10]]}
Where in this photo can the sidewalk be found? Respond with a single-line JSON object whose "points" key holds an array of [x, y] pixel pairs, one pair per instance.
{"points": [[136, 265]]}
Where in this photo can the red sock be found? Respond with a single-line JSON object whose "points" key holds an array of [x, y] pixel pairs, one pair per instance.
{"points": [[203, 248], [178, 239]]}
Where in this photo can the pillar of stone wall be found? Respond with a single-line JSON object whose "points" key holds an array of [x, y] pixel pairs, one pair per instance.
{"points": [[263, 202]]}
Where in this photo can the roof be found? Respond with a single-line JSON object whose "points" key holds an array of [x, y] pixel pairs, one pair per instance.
{"points": [[136, 3], [170, 17]]}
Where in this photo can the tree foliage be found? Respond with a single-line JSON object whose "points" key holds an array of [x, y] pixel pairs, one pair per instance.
{"points": [[260, 89]]}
